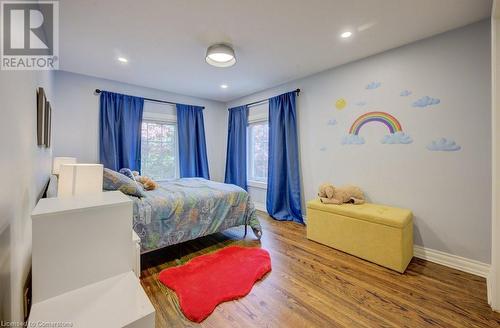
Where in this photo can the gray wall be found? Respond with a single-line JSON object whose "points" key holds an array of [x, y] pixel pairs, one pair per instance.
{"points": [[449, 192], [76, 125], [25, 169]]}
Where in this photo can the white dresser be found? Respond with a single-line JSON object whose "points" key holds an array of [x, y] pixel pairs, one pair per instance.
{"points": [[136, 254], [86, 263]]}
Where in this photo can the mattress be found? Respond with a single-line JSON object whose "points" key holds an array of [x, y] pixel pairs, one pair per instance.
{"points": [[189, 208]]}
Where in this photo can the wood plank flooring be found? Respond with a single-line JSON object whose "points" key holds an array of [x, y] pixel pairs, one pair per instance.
{"points": [[312, 285]]}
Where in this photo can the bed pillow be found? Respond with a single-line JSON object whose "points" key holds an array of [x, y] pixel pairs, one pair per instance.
{"points": [[113, 180], [128, 173]]}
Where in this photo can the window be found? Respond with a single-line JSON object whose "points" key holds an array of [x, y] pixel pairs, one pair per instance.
{"points": [[159, 150], [258, 137]]}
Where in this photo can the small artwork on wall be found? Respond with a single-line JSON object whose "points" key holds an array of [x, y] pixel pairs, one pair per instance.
{"points": [[395, 136], [40, 111], [426, 101], [443, 144], [340, 103], [43, 119], [332, 122], [47, 125], [373, 85]]}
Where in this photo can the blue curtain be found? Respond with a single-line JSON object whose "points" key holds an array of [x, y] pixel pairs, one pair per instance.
{"points": [[283, 180], [192, 147], [120, 131], [236, 157]]}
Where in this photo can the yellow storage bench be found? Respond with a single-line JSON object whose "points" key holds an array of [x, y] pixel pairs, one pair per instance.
{"points": [[377, 233]]}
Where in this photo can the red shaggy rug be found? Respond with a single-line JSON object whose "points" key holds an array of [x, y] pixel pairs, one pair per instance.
{"points": [[208, 280]]}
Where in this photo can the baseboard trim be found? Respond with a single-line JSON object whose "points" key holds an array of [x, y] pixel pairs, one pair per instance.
{"points": [[260, 207], [453, 261]]}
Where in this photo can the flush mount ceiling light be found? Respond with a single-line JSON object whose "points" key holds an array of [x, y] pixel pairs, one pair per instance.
{"points": [[122, 59], [220, 55], [224, 86], [346, 35]]}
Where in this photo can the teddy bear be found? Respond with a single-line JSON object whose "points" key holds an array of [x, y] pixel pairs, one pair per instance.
{"points": [[147, 183], [329, 194]]}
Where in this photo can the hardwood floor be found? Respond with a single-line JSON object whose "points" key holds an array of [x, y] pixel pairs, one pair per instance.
{"points": [[312, 285]]}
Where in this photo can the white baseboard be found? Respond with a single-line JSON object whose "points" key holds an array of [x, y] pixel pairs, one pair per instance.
{"points": [[453, 261], [260, 207]]}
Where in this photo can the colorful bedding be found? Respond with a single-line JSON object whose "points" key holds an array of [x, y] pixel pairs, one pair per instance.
{"points": [[186, 209]]}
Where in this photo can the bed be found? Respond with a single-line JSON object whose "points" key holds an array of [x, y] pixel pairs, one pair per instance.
{"points": [[187, 209]]}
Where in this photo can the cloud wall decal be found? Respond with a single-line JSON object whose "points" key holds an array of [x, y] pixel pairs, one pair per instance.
{"points": [[373, 85], [405, 93], [443, 144], [332, 122], [353, 139], [361, 103], [426, 101], [397, 138]]}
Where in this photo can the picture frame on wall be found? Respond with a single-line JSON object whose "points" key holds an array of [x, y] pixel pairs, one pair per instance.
{"points": [[47, 124], [41, 101]]}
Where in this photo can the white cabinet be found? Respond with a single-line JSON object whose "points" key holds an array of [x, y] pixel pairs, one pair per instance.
{"points": [[136, 254], [118, 301], [78, 241], [87, 257]]}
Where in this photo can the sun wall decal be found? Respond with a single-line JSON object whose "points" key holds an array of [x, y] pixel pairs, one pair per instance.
{"points": [[340, 104]]}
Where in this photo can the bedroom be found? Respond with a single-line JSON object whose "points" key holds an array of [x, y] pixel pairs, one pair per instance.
{"points": [[239, 112]]}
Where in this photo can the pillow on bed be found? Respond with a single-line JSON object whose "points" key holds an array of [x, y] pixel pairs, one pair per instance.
{"points": [[113, 180], [128, 173]]}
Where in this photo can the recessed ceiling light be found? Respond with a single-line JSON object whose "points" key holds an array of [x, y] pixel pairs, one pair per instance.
{"points": [[224, 86], [220, 55], [123, 59], [346, 35]]}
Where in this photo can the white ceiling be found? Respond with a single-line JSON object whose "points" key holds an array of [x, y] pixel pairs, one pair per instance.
{"points": [[276, 41]]}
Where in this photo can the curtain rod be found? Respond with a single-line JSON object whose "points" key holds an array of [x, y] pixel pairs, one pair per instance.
{"points": [[98, 91], [264, 100]]}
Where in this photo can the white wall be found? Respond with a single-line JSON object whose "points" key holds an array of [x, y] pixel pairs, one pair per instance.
{"points": [[25, 170], [76, 125], [449, 192]]}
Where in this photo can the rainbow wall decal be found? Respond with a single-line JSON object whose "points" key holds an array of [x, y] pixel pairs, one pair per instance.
{"points": [[390, 121], [396, 135]]}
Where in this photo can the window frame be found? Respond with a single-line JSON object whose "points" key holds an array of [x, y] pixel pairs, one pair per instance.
{"points": [[256, 121], [166, 119]]}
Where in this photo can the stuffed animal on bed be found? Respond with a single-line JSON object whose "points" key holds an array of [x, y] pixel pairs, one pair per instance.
{"points": [[329, 194], [147, 183]]}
